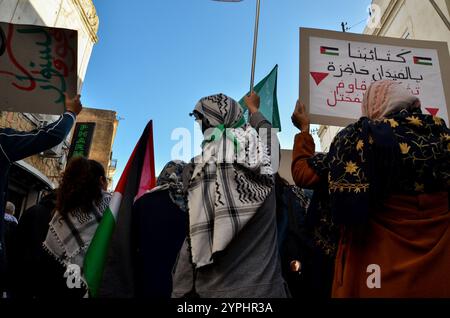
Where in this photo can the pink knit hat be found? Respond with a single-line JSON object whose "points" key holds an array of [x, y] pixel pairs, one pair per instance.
{"points": [[387, 97]]}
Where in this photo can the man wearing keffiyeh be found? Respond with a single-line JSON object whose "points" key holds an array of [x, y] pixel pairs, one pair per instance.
{"points": [[231, 249], [388, 179]]}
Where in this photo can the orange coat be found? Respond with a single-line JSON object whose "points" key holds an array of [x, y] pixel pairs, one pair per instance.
{"points": [[408, 241]]}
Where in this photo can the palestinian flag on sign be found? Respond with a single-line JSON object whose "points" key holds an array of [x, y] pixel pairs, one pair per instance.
{"points": [[423, 60], [137, 177], [329, 50]]}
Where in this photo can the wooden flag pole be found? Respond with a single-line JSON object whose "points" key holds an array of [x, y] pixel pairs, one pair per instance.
{"points": [[255, 45]]}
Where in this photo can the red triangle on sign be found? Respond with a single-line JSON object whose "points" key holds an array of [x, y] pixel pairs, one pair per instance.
{"points": [[319, 77], [432, 111]]}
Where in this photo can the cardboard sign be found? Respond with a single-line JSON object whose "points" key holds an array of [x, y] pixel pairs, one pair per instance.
{"points": [[337, 69], [37, 66]]}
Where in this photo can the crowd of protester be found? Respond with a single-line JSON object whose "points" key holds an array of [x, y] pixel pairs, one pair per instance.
{"points": [[227, 225]]}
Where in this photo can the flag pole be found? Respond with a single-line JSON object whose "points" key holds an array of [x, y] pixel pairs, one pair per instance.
{"points": [[255, 45]]}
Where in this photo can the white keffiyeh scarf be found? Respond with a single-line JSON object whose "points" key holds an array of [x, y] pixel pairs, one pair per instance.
{"points": [[231, 179], [69, 237]]}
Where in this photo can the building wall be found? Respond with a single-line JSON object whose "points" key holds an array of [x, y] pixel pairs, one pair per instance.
{"points": [[417, 18], [326, 136], [285, 166], [104, 134]]}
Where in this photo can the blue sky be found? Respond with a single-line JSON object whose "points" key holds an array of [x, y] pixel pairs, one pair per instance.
{"points": [[156, 58]]}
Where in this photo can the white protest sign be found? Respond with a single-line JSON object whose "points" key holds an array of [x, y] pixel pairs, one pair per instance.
{"points": [[337, 68], [37, 66]]}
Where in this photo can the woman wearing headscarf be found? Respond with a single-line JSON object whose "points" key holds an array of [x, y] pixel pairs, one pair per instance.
{"points": [[159, 226], [81, 200], [231, 248], [388, 181]]}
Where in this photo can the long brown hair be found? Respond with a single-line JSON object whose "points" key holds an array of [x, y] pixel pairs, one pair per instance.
{"points": [[81, 185]]}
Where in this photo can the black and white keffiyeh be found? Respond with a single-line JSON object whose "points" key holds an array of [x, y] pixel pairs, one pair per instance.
{"points": [[171, 178], [69, 237], [10, 218], [231, 180]]}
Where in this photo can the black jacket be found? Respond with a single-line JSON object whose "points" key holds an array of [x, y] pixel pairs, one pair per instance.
{"points": [[159, 228]]}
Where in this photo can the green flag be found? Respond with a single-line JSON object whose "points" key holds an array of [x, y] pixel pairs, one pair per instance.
{"points": [[267, 91]]}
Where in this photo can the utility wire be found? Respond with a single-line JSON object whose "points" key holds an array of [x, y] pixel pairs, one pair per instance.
{"points": [[355, 25]]}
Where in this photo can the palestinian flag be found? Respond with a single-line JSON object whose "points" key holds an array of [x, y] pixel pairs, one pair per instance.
{"points": [[329, 50], [137, 177], [423, 61]]}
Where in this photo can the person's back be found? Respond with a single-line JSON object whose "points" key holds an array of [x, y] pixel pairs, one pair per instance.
{"points": [[248, 268], [231, 250], [10, 230], [10, 227], [81, 201], [31, 232], [159, 216], [388, 179], [411, 222], [10, 224]]}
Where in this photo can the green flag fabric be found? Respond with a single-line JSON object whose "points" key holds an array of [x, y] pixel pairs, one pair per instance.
{"points": [[267, 91]]}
